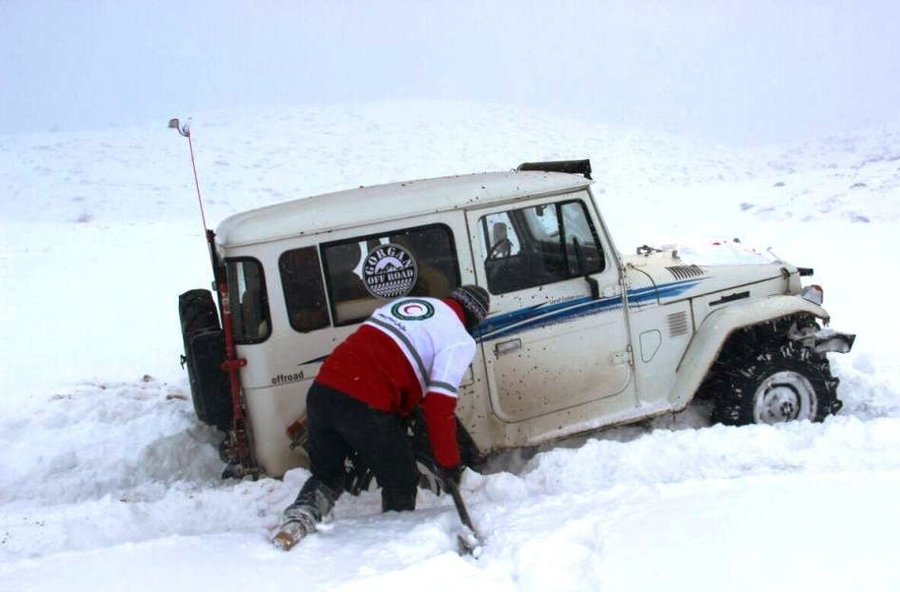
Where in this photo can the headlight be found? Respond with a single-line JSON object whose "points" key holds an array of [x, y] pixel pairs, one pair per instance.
{"points": [[813, 293]]}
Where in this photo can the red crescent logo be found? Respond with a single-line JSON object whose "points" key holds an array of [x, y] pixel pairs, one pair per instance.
{"points": [[413, 309]]}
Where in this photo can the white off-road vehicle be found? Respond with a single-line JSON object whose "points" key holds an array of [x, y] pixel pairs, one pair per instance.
{"points": [[579, 336]]}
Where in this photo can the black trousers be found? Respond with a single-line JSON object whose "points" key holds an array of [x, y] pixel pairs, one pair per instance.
{"points": [[339, 424]]}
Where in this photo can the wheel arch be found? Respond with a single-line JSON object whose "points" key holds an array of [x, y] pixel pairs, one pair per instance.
{"points": [[713, 333]]}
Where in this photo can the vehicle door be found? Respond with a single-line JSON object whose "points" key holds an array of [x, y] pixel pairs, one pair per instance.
{"points": [[552, 341]]}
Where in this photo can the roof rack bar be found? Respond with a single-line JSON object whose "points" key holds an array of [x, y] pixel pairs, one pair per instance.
{"points": [[575, 167]]}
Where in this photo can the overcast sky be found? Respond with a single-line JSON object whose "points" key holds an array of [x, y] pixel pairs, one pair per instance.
{"points": [[736, 71]]}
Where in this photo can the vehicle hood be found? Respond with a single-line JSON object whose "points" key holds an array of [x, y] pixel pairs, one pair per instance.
{"points": [[666, 276]]}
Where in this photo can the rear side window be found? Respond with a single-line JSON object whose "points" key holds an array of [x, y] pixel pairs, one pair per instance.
{"points": [[364, 272], [249, 302], [304, 292]]}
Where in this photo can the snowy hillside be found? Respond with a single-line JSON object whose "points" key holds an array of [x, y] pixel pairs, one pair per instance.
{"points": [[107, 481]]}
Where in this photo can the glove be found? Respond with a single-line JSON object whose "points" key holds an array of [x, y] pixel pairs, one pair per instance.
{"points": [[357, 475], [449, 476]]}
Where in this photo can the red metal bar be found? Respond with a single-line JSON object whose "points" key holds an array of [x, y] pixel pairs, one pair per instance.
{"points": [[232, 365]]}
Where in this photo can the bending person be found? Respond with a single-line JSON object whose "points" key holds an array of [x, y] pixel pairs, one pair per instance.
{"points": [[412, 350]]}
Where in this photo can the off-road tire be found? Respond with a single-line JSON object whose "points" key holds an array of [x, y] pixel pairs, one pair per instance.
{"points": [[204, 352], [198, 313], [785, 381]]}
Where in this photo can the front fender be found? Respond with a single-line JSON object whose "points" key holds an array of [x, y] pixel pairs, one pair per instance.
{"points": [[712, 334]]}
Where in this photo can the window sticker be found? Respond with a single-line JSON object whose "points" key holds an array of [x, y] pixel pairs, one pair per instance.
{"points": [[364, 271], [389, 271]]}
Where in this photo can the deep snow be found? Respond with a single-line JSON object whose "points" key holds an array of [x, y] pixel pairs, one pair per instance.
{"points": [[108, 482]]}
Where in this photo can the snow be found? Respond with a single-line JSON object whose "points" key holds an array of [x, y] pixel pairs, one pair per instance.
{"points": [[107, 481]]}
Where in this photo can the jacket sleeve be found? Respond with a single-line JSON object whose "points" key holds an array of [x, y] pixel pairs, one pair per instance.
{"points": [[440, 399], [441, 423]]}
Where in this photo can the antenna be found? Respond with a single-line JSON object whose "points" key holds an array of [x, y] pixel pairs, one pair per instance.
{"points": [[185, 130]]}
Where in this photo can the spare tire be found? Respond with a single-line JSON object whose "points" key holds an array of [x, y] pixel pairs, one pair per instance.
{"points": [[204, 353]]}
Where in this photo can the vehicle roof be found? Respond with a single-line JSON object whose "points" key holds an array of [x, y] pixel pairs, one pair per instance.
{"points": [[365, 205]]}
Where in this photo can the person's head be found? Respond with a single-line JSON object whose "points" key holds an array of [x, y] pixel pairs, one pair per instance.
{"points": [[475, 303]]}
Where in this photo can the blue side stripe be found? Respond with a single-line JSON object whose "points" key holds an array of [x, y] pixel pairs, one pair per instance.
{"points": [[542, 315]]}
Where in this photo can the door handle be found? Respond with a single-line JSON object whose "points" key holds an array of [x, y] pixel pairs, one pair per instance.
{"points": [[505, 347]]}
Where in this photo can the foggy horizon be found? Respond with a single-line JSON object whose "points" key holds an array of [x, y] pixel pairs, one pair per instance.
{"points": [[734, 72]]}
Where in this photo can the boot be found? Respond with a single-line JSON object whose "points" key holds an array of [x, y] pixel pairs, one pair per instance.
{"points": [[317, 497], [298, 522], [314, 503]]}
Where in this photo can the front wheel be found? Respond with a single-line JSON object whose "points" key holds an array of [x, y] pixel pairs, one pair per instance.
{"points": [[790, 384]]}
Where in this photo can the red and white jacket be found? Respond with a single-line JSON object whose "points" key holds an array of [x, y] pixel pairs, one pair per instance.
{"points": [[410, 350]]}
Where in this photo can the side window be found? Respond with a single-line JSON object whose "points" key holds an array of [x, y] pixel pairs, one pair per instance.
{"points": [[304, 294], [539, 245], [583, 252], [249, 302], [364, 272], [343, 271]]}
